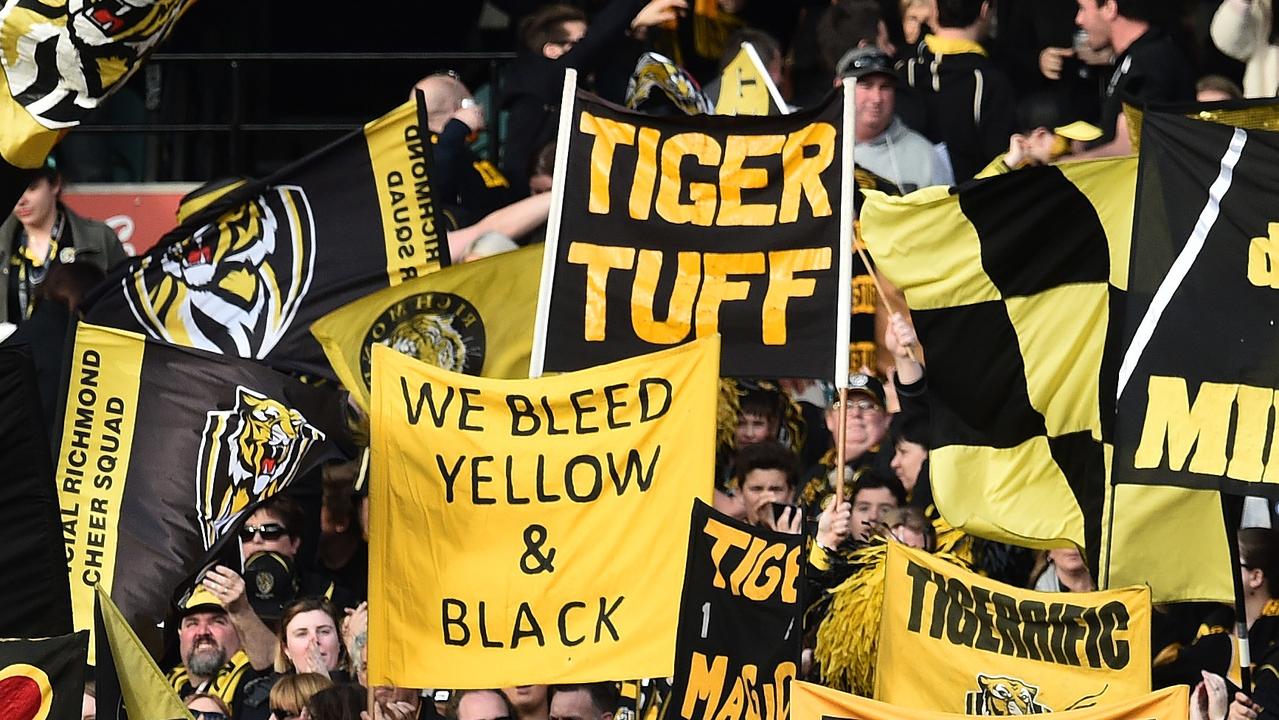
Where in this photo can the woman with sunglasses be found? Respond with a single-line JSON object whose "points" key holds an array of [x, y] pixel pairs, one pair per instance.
{"points": [[208, 707], [291, 693]]}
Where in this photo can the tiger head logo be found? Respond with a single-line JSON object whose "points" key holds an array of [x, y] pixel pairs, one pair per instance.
{"points": [[248, 453], [234, 286], [1002, 696], [98, 45], [439, 328]]}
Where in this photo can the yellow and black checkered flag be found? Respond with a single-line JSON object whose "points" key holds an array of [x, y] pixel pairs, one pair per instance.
{"points": [[1011, 283]]}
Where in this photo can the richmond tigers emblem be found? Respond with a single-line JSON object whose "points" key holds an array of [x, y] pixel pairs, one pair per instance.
{"points": [[63, 57], [234, 286], [247, 453], [1003, 696], [439, 328]]}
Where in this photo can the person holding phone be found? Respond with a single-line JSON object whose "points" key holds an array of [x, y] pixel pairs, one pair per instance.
{"points": [[767, 474]]}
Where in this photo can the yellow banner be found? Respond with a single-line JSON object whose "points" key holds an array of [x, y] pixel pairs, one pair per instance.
{"points": [[744, 86], [401, 162], [814, 702], [954, 641], [534, 531], [475, 318], [97, 434]]}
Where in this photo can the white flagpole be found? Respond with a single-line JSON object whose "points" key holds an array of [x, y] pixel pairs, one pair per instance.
{"points": [[538, 356], [773, 92]]}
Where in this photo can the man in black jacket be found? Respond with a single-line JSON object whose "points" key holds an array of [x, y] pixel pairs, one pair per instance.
{"points": [[554, 39], [969, 101]]}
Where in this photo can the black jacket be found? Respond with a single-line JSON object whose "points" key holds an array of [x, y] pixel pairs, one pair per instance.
{"points": [[94, 243]]}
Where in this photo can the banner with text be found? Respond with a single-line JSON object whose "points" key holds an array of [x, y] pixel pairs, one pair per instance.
{"points": [[682, 227], [740, 630], [532, 531], [253, 264], [814, 702], [162, 450], [954, 641]]}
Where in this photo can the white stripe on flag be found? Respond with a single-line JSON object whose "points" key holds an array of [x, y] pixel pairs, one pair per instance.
{"points": [[1181, 267]]}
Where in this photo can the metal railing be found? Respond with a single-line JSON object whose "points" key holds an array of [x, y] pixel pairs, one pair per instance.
{"points": [[237, 126]]}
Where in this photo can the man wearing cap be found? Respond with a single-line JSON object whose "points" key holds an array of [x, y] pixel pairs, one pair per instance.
{"points": [[866, 426], [884, 145], [1046, 133], [213, 660]]}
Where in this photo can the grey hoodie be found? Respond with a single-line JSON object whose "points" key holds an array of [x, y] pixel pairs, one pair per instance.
{"points": [[905, 158]]}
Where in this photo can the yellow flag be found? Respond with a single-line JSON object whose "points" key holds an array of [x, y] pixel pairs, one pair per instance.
{"points": [[814, 702], [534, 531], [475, 318], [745, 87], [146, 693], [953, 641]]}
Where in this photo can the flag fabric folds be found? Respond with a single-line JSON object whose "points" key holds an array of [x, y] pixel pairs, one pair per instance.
{"points": [[953, 641], [475, 318], [674, 228], [61, 60], [42, 678], [1205, 270], [162, 450], [35, 595], [246, 274], [1011, 282], [126, 673], [740, 617], [532, 531], [814, 702]]}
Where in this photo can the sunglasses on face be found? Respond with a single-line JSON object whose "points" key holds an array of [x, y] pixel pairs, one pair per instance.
{"points": [[208, 715], [281, 714], [268, 531]]}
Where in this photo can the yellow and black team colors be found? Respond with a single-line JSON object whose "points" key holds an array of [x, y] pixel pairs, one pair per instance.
{"points": [[1205, 265], [42, 678], [249, 269], [1012, 279], [34, 595], [125, 673], [162, 450], [533, 531], [675, 228], [953, 641], [475, 318], [814, 702], [740, 632], [61, 60]]}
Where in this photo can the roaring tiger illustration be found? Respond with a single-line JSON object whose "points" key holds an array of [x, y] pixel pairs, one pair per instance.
{"points": [[1004, 696]]}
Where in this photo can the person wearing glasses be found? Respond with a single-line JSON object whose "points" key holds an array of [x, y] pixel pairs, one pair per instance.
{"points": [[291, 693], [204, 706], [865, 428]]}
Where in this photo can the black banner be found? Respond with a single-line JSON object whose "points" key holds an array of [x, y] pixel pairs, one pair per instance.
{"points": [[34, 601], [42, 678], [254, 264], [1198, 376], [738, 644], [681, 227]]}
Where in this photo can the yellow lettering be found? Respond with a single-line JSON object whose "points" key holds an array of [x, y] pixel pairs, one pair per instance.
{"points": [[783, 285], [733, 178], [679, 313], [608, 135], [725, 537], [645, 174], [1251, 424], [803, 174], [753, 589], [1170, 416], [1263, 270], [717, 288], [599, 260], [703, 195], [704, 683]]}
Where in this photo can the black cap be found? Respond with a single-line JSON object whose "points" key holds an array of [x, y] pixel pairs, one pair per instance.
{"points": [[269, 583], [862, 61], [868, 385]]}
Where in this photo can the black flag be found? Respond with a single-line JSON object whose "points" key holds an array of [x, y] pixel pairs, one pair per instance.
{"points": [[42, 678]]}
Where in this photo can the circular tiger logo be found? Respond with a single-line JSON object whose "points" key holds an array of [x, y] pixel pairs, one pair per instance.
{"points": [[439, 328]]}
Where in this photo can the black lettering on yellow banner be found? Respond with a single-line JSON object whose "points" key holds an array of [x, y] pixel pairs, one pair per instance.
{"points": [[739, 632], [679, 228], [401, 168], [553, 510], [953, 641]]}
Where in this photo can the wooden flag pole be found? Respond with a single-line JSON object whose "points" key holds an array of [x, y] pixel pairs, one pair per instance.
{"points": [[1232, 516], [841, 461], [861, 252]]}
